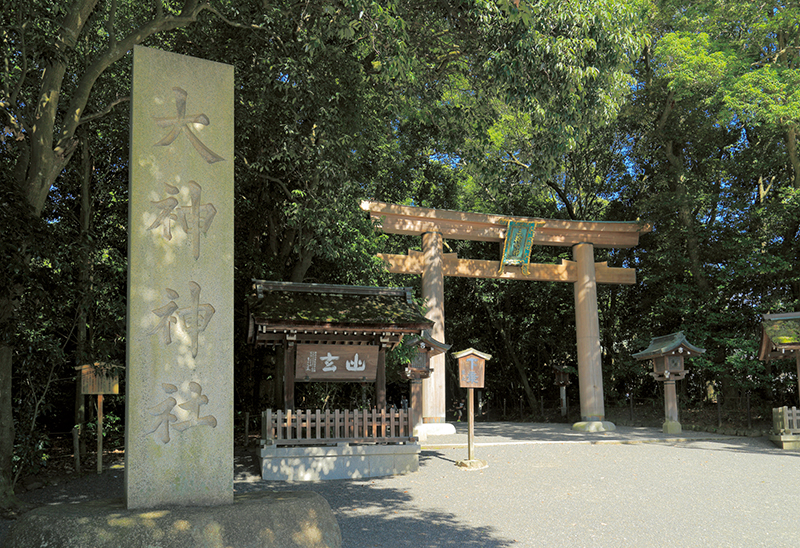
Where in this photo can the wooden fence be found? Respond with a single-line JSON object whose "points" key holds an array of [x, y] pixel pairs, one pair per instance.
{"points": [[337, 426], [785, 420]]}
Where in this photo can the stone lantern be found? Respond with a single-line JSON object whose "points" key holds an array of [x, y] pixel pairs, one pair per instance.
{"points": [[667, 354], [420, 369], [562, 381]]}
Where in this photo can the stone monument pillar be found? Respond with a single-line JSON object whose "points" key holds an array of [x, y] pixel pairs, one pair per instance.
{"points": [[179, 407]]}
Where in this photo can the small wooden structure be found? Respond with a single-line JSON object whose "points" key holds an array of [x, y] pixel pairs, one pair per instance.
{"points": [[667, 354], [99, 378], [780, 339], [332, 333], [471, 369], [335, 333]]}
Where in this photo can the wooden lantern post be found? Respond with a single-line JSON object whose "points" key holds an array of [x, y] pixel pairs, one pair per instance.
{"points": [[667, 354], [471, 368], [99, 379]]}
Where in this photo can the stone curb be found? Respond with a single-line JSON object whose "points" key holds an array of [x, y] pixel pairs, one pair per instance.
{"points": [[429, 447]]}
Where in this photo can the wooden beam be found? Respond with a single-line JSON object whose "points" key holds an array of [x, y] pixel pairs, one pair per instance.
{"points": [[413, 263], [461, 225]]}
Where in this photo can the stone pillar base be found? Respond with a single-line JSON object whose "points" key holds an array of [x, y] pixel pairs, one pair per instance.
{"points": [[672, 427], [426, 429], [594, 426]]}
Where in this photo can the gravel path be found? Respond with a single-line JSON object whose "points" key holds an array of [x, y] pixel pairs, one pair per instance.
{"points": [[548, 486]]}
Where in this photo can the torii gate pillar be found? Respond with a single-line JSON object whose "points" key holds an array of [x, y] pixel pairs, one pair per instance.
{"points": [[433, 388], [587, 327]]}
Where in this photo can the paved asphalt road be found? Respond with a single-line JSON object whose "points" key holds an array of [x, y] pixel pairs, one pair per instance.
{"points": [[549, 486]]}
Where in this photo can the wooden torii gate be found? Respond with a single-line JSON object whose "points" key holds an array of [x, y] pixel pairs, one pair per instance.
{"points": [[433, 225]]}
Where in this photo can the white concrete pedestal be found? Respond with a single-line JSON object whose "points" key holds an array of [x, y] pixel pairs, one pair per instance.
{"points": [[341, 461]]}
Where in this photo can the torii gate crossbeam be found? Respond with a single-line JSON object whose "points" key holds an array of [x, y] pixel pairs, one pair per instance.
{"points": [[433, 225]]}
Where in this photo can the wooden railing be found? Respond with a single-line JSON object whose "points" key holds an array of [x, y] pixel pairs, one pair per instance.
{"points": [[337, 426], [785, 420]]}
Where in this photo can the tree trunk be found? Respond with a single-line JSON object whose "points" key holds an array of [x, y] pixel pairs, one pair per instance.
{"points": [[523, 375], [84, 288], [685, 215], [7, 498], [302, 266]]}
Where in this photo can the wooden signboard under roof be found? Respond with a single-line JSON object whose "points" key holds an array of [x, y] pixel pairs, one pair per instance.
{"points": [[471, 367], [780, 336], [99, 378], [354, 324]]}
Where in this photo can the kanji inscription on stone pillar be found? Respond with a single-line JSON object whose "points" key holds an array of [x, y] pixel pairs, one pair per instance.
{"points": [[179, 405]]}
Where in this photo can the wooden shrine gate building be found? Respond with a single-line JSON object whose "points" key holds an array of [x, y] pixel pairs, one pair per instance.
{"points": [[519, 234], [332, 333], [336, 333]]}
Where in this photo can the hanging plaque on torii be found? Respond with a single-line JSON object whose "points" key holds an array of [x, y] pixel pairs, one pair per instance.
{"points": [[519, 241], [433, 265]]}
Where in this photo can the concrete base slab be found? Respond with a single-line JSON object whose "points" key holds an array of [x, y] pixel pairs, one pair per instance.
{"points": [[786, 441], [474, 464], [254, 520], [671, 427], [594, 426], [341, 461], [434, 429]]}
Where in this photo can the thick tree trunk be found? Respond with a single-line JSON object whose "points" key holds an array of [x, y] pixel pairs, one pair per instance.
{"points": [[686, 218], [674, 155], [686, 215]]}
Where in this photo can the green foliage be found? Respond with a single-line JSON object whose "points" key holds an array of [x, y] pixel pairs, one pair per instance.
{"points": [[767, 96], [113, 431], [691, 63]]}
